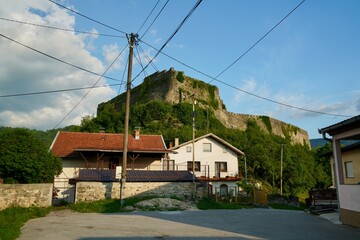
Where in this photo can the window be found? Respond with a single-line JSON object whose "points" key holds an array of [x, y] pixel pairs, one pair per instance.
{"points": [[197, 166], [207, 147], [188, 149], [221, 166], [349, 170]]}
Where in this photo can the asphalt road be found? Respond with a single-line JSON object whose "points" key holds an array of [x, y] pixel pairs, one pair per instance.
{"points": [[210, 224]]}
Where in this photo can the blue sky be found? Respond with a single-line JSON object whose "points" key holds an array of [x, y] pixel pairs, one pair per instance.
{"points": [[311, 60]]}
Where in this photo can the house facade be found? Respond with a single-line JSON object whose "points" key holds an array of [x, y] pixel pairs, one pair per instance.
{"points": [[351, 170], [95, 156], [214, 159], [345, 169]]}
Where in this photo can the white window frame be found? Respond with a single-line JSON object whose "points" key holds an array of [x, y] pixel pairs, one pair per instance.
{"points": [[349, 169], [207, 147]]}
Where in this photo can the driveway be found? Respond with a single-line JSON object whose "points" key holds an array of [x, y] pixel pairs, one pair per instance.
{"points": [[210, 224]]}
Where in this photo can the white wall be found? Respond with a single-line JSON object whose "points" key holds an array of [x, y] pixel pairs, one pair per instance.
{"points": [[349, 197], [217, 154]]}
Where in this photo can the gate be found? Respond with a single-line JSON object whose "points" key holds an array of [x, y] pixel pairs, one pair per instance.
{"points": [[64, 191]]}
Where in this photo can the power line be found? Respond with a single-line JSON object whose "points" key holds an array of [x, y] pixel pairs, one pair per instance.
{"points": [[57, 91], [57, 59], [171, 37], [91, 88], [152, 10], [258, 41], [123, 76], [155, 18], [62, 29], [147, 57], [138, 58], [244, 91], [89, 18]]}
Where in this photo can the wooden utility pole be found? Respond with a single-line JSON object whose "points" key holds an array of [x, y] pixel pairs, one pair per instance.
{"points": [[193, 136], [127, 113], [281, 169]]}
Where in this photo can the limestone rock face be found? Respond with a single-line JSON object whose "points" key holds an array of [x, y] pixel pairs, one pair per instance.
{"points": [[174, 87]]}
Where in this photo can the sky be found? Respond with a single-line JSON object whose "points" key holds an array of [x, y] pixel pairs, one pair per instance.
{"points": [[307, 58]]}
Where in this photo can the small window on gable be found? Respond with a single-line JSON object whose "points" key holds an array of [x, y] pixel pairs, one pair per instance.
{"points": [[349, 169], [207, 147], [188, 149]]}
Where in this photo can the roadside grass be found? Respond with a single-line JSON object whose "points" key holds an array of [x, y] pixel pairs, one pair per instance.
{"points": [[109, 205], [13, 218]]}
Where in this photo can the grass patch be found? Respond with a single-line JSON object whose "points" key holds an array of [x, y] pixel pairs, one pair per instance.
{"points": [[108, 205], [207, 203], [12, 219]]}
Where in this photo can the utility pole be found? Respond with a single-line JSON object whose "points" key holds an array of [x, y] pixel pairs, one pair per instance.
{"points": [[245, 171], [193, 136], [281, 169], [207, 120], [127, 113]]}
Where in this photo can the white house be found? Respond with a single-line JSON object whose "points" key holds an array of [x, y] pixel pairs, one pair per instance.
{"points": [[346, 165], [215, 160]]}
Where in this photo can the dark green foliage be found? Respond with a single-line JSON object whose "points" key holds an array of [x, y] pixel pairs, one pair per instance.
{"points": [[180, 77], [267, 122], [108, 119], [25, 159], [12, 219], [323, 168]]}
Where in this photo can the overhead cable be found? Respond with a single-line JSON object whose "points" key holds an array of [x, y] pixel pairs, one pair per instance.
{"points": [[57, 91], [171, 36], [62, 29], [147, 57], [155, 19], [244, 91], [57, 59], [152, 10], [77, 104], [258, 41], [89, 18]]}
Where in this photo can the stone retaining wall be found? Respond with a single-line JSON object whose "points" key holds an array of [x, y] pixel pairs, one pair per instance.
{"points": [[25, 195], [93, 191]]}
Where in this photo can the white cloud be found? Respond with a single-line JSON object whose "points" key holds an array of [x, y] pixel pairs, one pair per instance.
{"points": [[23, 70], [110, 53]]}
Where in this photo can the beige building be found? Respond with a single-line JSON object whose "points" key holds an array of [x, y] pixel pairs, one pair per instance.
{"points": [[351, 164], [346, 166]]}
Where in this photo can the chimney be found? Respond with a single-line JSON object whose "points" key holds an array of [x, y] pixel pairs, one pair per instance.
{"points": [[176, 142], [170, 145], [137, 133]]}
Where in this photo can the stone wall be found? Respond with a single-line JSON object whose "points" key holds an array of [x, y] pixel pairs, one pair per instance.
{"points": [[93, 191], [25, 195]]}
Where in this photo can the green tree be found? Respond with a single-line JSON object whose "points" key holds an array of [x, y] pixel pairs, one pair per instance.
{"points": [[25, 159], [323, 168]]}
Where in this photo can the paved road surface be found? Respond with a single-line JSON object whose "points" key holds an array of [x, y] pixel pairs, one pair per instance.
{"points": [[211, 224]]}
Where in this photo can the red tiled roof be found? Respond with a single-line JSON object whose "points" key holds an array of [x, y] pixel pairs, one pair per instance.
{"points": [[66, 143]]}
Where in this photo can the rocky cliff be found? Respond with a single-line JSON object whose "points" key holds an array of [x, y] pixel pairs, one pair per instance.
{"points": [[174, 87]]}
